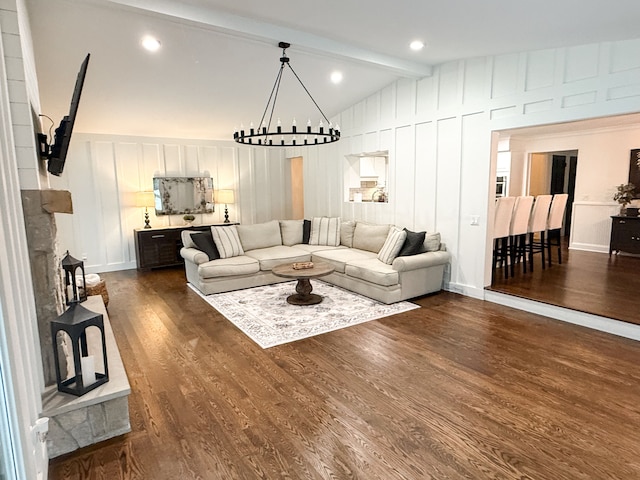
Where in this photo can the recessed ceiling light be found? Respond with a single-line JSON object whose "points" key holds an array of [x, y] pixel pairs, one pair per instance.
{"points": [[336, 77], [151, 43], [416, 45]]}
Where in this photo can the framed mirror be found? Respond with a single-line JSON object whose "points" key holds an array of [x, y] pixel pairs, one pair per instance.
{"points": [[182, 195]]}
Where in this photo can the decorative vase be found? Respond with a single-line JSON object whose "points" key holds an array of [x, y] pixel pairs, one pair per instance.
{"points": [[623, 209]]}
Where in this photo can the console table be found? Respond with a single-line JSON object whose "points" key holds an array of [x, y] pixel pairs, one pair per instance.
{"points": [[160, 247], [625, 234]]}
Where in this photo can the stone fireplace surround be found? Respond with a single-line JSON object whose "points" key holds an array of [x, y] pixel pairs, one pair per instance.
{"points": [[74, 422]]}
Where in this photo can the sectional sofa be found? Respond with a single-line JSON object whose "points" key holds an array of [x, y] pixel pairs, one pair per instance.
{"points": [[382, 262]]}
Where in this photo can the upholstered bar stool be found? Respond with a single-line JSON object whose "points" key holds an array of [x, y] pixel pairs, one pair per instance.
{"points": [[518, 232], [538, 224], [554, 225], [501, 228]]}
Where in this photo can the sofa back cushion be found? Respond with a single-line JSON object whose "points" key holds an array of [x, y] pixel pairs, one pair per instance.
{"points": [[432, 242], [346, 233], [370, 237], [227, 241], [325, 231], [260, 235], [291, 231]]}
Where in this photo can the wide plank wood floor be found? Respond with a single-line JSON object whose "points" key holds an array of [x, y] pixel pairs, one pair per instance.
{"points": [[458, 389], [585, 281]]}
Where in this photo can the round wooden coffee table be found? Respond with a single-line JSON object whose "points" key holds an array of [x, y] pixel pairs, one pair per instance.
{"points": [[303, 295]]}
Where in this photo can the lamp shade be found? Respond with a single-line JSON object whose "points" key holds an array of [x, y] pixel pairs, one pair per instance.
{"points": [[225, 196], [144, 199]]}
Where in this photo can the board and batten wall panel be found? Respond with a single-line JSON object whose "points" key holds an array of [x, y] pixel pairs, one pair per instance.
{"points": [[103, 174], [454, 114]]}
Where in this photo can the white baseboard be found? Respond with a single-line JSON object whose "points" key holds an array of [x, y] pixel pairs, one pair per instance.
{"points": [[466, 290], [589, 247], [603, 324]]}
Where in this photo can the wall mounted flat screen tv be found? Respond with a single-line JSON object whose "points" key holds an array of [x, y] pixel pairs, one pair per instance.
{"points": [[57, 153]]}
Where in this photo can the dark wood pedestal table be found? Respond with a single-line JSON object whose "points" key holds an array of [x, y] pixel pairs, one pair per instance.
{"points": [[304, 275]]}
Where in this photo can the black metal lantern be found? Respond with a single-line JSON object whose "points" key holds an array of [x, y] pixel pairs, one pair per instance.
{"points": [[89, 354], [73, 293]]}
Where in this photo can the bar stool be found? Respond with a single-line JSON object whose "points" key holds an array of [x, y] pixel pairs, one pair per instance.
{"points": [[518, 232], [501, 226], [538, 224], [554, 224]]}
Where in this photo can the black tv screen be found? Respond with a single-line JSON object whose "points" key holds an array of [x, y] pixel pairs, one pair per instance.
{"points": [[58, 151]]}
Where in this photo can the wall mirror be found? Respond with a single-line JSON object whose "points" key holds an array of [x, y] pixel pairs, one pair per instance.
{"points": [[181, 195]]}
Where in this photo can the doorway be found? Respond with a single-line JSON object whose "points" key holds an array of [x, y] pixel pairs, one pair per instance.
{"points": [[297, 188], [554, 172]]}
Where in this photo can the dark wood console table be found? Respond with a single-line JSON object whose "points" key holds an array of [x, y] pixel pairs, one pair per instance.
{"points": [[625, 234], [160, 247]]}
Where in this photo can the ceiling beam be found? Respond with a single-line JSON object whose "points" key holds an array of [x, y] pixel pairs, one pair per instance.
{"points": [[267, 32]]}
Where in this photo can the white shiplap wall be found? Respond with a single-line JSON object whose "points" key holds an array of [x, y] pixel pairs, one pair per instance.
{"points": [[439, 132], [103, 174]]}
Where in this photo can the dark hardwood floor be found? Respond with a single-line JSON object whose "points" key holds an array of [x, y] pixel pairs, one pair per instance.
{"points": [[458, 389], [585, 281]]}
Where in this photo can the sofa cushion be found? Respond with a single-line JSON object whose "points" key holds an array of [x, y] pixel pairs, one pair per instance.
{"points": [[392, 245], [306, 231], [271, 256], [374, 271], [325, 231], [339, 257], [413, 243], [346, 233], [204, 241], [316, 248], [227, 241], [370, 237], [291, 231], [260, 235], [229, 267], [431, 242]]}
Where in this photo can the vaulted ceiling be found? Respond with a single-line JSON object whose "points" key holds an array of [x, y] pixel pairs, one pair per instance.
{"points": [[219, 59]]}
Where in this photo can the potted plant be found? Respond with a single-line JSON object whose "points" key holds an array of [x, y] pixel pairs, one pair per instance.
{"points": [[624, 195], [188, 218]]}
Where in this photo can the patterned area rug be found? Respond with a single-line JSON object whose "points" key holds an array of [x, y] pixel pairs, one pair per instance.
{"points": [[264, 315]]}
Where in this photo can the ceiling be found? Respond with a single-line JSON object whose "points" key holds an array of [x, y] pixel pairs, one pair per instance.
{"points": [[219, 59]]}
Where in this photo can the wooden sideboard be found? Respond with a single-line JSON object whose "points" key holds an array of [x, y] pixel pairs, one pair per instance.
{"points": [[160, 247], [625, 234]]}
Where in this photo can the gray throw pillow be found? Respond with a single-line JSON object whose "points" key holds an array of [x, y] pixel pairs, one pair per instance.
{"points": [[204, 241], [306, 231], [413, 243]]}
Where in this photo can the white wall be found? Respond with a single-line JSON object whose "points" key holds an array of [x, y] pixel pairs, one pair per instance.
{"points": [[103, 172], [19, 345], [438, 131]]}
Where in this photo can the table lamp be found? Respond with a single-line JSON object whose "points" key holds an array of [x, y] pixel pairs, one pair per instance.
{"points": [[226, 197], [146, 200]]}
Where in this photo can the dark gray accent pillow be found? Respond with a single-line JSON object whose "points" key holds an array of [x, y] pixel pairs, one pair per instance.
{"points": [[413, 244], [204, 241], [306, 231]]}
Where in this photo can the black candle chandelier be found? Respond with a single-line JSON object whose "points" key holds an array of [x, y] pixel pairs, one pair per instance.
{"points": [[263, 136]]}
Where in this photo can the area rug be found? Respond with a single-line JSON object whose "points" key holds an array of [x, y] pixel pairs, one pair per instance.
{"points": [[264, 315]]}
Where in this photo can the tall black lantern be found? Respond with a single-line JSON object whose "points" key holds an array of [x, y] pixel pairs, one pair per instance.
{"points": [[73, 293], [89, 354]]}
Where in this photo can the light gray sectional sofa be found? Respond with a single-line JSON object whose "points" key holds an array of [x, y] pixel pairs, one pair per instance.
{"points": [[364, 256]]}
